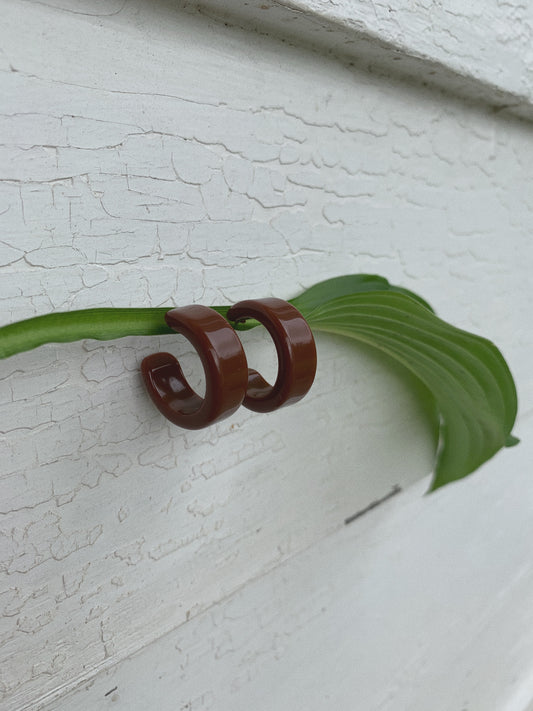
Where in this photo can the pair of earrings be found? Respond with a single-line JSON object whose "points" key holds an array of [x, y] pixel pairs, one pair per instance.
{"points": [[228, 380]]}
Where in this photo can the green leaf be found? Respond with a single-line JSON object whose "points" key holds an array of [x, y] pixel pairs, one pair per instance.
{"points": [[345, 286], [469, 378]]}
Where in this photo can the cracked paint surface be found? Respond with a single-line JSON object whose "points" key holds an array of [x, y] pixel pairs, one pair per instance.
{"points": [[478, 49], [167, 160]]}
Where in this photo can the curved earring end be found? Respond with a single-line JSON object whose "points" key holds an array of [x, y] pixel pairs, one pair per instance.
{"points": [[224, 363], [166, 384], [295, 346]]}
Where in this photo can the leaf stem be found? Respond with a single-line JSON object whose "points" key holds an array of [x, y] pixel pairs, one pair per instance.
{"points": [[101, 324]]}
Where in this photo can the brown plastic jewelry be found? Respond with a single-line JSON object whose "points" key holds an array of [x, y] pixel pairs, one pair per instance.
{"points": [[224, 363], [296, 351]]}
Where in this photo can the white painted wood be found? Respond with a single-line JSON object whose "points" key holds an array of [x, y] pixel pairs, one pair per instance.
{"points": [[387, 613], [479, 49], [152, 156]]}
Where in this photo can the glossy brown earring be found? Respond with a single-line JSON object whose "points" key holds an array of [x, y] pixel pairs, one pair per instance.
{"points": [[296, 351], [224, 364]]}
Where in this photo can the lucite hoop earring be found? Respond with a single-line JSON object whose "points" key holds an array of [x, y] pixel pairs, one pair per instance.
{"points": [[224, 363], [296, 351]]}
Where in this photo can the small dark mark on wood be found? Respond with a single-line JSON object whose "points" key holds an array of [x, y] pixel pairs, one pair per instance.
{"points": [[111, 691], [395, 490]]}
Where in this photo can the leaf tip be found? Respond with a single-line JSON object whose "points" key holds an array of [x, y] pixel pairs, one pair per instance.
{"points": [[511, 440]]}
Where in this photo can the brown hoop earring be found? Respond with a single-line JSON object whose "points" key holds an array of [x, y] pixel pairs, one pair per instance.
{"points": [[296, 351], [224, 364]]}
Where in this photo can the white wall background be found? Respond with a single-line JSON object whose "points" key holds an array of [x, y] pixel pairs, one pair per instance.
{"points": [[153, 155]]}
